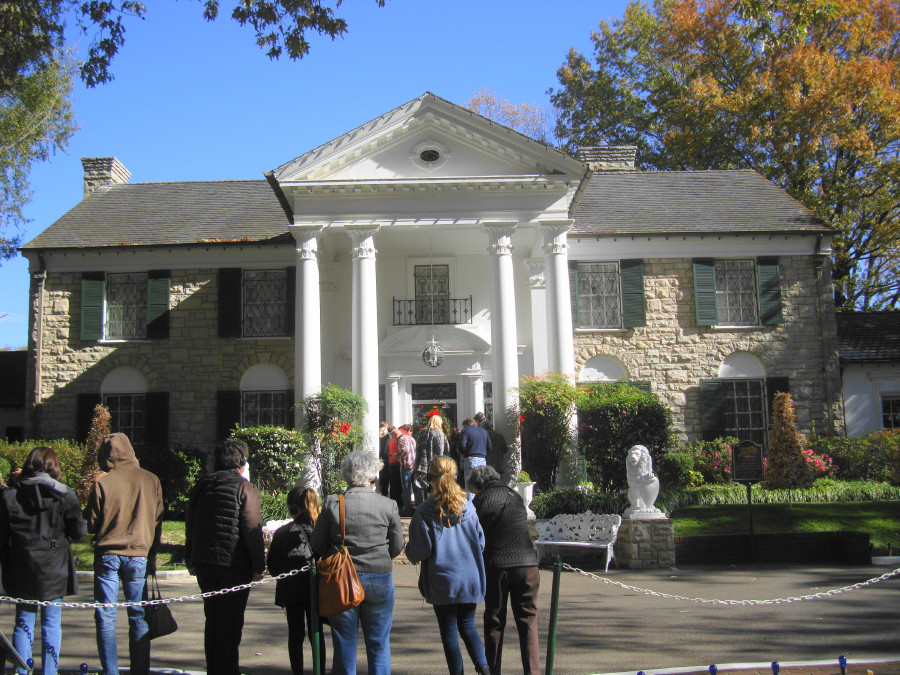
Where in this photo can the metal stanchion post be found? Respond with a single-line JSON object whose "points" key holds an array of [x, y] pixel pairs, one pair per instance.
{"points": [[554, 610], [316, 627]]}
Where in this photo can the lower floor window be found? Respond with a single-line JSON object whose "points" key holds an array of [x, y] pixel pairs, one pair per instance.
{"points": [[265, 408], [744, 410], [128, 415], [890, 412]]}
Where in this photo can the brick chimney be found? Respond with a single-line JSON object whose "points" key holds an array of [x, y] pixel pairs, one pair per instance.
{"points": [[101, 172], [608, 157]]}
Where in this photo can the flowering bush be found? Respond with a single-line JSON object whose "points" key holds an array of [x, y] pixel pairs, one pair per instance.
{"points": [[334, 423], [875, 456], [819, 464]]}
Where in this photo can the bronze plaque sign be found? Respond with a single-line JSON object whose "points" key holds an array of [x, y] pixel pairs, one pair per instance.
{"points": [[747, 463]]}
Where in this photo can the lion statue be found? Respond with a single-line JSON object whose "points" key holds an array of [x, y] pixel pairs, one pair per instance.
{"points": [[643, 485]]}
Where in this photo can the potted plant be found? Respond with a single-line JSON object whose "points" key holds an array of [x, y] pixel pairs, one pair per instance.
{"points": [[525, 487]]}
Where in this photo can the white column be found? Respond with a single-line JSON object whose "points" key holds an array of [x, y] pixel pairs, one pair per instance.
{"points": [[475, 397], [364, 331], [540, 333], [504, 350], [307, 317], [393, 395], [561, 356]]}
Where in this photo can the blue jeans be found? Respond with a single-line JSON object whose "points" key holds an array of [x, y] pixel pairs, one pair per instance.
{"points": [[109, 569], [468, 464], [454, 621], [376, 613], [406, 476], [51, 635]]}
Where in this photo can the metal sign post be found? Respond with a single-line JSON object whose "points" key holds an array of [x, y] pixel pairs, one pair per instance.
{"points": [[747, 468]]}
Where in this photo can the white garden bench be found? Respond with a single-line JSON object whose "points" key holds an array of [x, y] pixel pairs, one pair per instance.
{"points": [[588, 530]]}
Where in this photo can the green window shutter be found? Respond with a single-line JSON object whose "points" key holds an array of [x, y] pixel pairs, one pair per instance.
{"points": [[158, 286], [769, 285], [634, 308], [712, 419], [775, 385], [705, 292], [644, 386], [573, 292], [157, 420], [290, 295], [228, 413], [230, 281], [84, 412], [92, 291]]}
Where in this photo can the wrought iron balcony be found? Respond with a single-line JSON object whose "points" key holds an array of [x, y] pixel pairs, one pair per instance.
{"points": [[441, 311]]}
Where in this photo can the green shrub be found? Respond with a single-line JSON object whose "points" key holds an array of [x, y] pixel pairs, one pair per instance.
{"points": [[334, 421], [274, 506], [573, 500], [177, 470], [676, 469], [612, 418], [277, 456], [70, 454]]}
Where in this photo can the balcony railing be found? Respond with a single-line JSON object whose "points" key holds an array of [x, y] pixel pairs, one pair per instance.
{"points": [[439, 312]]}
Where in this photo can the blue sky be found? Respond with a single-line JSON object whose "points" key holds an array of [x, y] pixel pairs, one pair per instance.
{"points": [[194, 100]]}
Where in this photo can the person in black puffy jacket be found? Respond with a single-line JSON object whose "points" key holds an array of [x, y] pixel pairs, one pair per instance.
{"points": [[224, 548], [38, 517], [290, 550], [510, 566]]}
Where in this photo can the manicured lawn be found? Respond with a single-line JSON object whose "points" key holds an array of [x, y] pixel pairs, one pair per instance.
{"points": [[170, 556], [880, 519]]}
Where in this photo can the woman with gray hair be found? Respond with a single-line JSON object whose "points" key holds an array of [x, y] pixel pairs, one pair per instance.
{"points": [[373, 537], [510, 563]]}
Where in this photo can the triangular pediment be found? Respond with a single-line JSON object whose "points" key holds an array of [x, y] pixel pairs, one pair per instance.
{"points": [[427, 139]]}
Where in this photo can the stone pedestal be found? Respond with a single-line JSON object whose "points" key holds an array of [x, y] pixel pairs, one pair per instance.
{"points": [[645, 544]]}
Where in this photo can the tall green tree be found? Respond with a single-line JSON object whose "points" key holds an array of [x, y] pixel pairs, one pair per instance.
{"points": [[806, 92]]}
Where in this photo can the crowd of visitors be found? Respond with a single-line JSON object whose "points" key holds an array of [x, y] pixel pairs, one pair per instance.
{"points": [[471, 550]]}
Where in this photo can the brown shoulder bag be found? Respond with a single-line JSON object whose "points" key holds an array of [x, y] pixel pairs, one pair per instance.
{"points": [[339, 586]]}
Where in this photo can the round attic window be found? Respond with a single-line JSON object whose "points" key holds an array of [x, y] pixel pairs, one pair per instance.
{"points": [[430, 155]]}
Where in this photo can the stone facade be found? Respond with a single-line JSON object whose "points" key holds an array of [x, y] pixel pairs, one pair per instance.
{"points": [[674, 354], [192, 365]]}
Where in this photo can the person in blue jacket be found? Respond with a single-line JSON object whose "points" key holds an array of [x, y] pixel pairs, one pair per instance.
{"points": [[446, 537]]}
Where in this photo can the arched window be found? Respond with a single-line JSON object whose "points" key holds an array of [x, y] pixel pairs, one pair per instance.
{"points": [[603, 369], [124, 392], [266, 397]]}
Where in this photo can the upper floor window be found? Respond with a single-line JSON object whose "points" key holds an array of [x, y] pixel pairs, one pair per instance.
{"points": [[737, 292], [125, 306], [432, 293], [607, 294], [264, 307], [256, 302]]}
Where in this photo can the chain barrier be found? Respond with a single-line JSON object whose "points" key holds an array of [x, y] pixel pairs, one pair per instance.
{"points": [[733, 603], [145, 603]]}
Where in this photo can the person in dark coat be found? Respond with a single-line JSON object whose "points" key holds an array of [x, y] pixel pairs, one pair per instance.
{"points": [[290, 550], [223, 548], [430, 443], [38, 517], [510, 566], [475, 444]]}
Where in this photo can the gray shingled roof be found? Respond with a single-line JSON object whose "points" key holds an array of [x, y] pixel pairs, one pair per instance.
{"points": [[141, 214], [868, 336], [658, 202]]}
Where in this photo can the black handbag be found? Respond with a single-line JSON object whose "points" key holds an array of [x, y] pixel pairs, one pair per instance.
{"points": [[159, 618]]}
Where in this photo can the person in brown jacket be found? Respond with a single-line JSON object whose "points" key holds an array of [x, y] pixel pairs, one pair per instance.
{"points": [[124, 513]]}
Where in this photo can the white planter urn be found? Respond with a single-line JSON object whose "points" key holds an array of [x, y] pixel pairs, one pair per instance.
{"points": [[526, 491]]}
